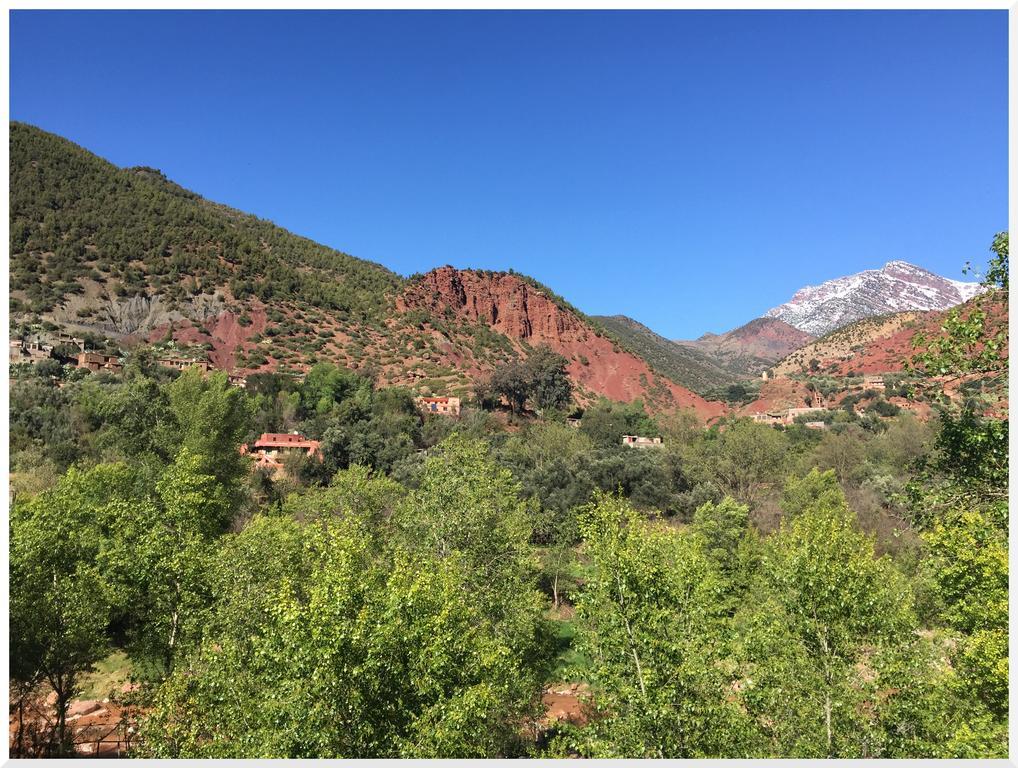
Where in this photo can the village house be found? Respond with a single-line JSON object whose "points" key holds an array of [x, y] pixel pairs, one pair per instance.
{"points": [[815, 425], [572, 422], [29, 351], [791, 413], [182, 364], [635, 441], [443, 406], [99, 361], [874, 382], [784, 417], [269, 449]]}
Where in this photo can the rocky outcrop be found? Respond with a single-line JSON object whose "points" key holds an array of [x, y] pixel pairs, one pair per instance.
{"points": [[524, 313], [502, 301], [126, 315]]}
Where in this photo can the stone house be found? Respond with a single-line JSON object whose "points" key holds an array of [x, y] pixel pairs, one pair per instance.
{"points": [[635, 441], [443, 406], [874, 382], [182, 364], [269, 449], [99, 361]]}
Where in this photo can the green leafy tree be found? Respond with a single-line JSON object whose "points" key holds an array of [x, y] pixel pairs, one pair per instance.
{"points": [[606, 421], [550, 387], [968, 342], [824, 611], [61, 596], [161, 550], [649, 619], [744, 460], [512, 381], [541, 379], [213, 419], [334, 639], [970, 565]]}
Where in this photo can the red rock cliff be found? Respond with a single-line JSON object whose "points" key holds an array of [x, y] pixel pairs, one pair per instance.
{"points": [[520, 311]]}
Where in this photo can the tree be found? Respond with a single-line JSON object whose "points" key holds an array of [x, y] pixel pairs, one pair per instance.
{"points": [[606, 421], [969, 562], [512, 381], [550, 387], [160, 550], [743, 460], [824, 612], [466, 506], [61, 596], [332, 638], [541, 379], [212, 418], [969, 342], [649, 619]]}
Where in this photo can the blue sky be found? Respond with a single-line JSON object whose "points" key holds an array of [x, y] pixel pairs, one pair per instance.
{"points": [[689, 169]]}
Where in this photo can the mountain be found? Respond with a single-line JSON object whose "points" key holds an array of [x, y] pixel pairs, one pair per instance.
{"points": [[129, 255], [896, 287], [884, 344], [683, 364], [750, 348], [78, 220]]}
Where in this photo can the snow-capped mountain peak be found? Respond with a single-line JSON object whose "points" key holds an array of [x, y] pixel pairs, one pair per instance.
{"points": [[898, 286]]}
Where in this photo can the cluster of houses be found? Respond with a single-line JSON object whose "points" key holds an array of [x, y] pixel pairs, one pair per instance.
{"points": [[34, 351]]}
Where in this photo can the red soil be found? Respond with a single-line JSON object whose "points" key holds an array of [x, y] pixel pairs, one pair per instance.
{"points": [[565, 703]]}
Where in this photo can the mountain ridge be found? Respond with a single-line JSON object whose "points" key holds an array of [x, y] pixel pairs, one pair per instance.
{"points": [[898, 286], [127, 254]]}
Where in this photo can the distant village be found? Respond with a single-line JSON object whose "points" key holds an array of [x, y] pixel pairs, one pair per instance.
{"points": [[271, 449]]}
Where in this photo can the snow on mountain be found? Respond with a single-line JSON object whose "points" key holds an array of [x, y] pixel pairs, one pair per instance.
{"points": [[896, 287]]}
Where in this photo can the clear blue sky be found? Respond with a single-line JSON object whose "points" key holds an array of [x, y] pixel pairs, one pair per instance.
{"points": [[689, 169]]}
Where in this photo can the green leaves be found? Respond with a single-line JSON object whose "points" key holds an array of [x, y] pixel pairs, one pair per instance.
{"points": [[649, 618], [825, 609], [971, 340], [969, 562]]}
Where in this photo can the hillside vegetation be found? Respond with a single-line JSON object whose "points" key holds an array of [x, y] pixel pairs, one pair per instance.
{"points": [[840, 344], [75, 216], [399, 583], [687, 366]]}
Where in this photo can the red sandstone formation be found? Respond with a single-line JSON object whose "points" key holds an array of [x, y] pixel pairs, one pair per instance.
{"points": [[513, 307]]}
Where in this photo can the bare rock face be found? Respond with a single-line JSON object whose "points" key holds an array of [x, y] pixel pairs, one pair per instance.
{"points": [[508, 304], [523, 312], [123, 316]]}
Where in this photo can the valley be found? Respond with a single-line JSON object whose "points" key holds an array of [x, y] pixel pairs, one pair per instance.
{"points": [[272, 499]]}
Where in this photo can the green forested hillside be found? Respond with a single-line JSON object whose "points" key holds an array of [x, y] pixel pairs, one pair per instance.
{"points": [[686, 366], [75, 216]]}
